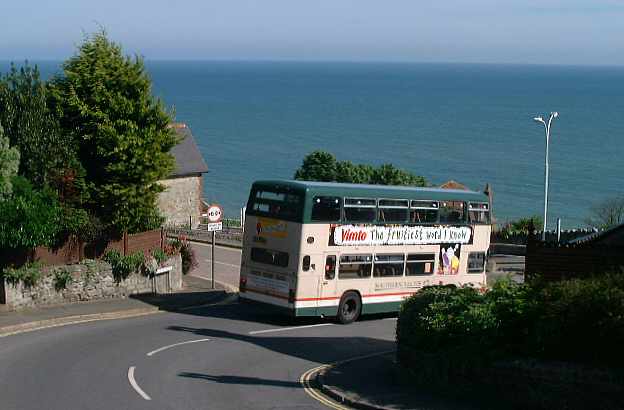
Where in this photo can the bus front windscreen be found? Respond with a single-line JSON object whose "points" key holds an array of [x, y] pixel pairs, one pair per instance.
{"points": [[273, 204]]}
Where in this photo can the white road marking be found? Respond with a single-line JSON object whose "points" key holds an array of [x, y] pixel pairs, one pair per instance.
{"points": [[223, 263], [228, 301], [226, 248], [153, 352], [391, 318], [134, 384], [284, 329]]}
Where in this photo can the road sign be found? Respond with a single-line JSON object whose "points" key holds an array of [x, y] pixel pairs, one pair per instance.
{"points": [[214, 226], [214, 214]]}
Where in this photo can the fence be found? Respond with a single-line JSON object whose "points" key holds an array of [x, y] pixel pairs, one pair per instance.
{"points": [[552, 261], [73, 250]]}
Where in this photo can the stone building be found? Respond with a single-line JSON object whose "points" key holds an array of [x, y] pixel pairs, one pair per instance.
{"points": [[181, 202]]}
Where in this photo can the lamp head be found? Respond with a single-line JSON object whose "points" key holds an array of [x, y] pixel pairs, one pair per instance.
{"points": [[538, 119], [555, 114]]}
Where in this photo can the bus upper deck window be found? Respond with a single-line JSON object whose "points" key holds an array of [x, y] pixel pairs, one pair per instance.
{"points": [[479, 213], [360, 209], [330, 267], [452, 212], [424, 212], [393, 210], [326, 208]]}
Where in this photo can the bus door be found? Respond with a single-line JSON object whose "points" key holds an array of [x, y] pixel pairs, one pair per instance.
{"points": [[327, 284]]}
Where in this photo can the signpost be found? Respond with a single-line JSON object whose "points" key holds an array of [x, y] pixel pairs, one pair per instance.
{"points": [[214, 216]]}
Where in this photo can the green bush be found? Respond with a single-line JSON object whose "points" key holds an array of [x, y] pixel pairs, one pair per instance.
{"points": [[29, 274], [189, 259], [29, 218], [451, 330], [159, 255], [123, 266], [62, 278]]}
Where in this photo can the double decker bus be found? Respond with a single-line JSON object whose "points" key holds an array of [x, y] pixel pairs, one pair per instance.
{"points": [[333, 249]]}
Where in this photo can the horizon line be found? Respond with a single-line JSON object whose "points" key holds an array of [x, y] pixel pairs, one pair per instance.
{"points": [[343, 61]]}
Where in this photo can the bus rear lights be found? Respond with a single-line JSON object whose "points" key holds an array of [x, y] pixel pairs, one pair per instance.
{"points": [[242, 284]]}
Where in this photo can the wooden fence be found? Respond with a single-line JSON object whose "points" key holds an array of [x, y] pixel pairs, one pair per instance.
{"points": [[73, 250], [552, 262]]}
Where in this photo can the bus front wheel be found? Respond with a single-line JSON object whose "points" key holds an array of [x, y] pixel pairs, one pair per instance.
{"points": [[350, 308]]}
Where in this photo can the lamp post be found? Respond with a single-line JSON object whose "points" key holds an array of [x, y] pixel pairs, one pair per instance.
{"points": [[547, 129]]}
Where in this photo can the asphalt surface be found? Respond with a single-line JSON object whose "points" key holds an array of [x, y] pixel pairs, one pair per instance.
{"points": [[240, 357], [227, 263]]}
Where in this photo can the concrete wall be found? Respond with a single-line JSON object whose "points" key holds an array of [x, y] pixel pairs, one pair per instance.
{"points": [[91, 280], [181, 198]]}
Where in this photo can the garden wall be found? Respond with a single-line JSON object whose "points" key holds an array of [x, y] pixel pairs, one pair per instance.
{"points": [[73, 250], [90, 280]]}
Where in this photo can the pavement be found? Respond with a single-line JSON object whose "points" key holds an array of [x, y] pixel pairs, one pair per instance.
{"points": [[375, 382], [196, 292]]}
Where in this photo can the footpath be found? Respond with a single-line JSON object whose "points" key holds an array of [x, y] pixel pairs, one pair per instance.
{"points": [[375, 383], [195, 292]]}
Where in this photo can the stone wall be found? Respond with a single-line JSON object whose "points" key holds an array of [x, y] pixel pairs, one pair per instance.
{"points": [[181, 199], [90, 280]]}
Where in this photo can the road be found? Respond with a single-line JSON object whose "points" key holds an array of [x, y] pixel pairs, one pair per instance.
{"points": [[227, 263], [232, 356]]}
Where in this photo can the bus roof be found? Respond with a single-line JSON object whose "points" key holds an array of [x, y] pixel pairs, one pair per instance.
{"points": [[377, 191]]}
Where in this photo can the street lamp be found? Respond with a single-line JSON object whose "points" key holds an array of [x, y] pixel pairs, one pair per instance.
{"points": [[547, 129]]}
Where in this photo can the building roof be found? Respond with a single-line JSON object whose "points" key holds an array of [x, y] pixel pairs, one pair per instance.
{"points": [[187, 156], [613, 236], [453, 185], [381, 191]]}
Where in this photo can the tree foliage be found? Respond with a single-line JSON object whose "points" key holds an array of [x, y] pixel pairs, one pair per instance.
{"points": [[46, 152], [323, 166], [9, 162], [30, 217], [607, 214], [103, 100]]}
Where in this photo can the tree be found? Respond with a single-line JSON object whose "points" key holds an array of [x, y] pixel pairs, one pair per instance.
{"points": [[607, 214], [9, 162], [103, 100], [322, 166], [45, 152], [317, 166]]}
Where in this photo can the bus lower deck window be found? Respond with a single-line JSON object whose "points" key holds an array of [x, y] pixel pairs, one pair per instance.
{"points": [[419, 264], [476, 262], [355, 266], [388, 265]]}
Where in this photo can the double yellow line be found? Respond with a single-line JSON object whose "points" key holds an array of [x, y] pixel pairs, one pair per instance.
{"points": [[307, 380]]}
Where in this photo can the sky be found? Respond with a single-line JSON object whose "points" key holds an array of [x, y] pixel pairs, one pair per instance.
{"points": [[586, 32]]}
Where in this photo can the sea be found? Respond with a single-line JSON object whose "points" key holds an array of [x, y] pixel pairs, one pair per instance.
{"points": [[471, 123]]}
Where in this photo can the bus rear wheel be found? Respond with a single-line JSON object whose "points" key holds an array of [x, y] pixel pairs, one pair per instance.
{"points": [[350, 308]]}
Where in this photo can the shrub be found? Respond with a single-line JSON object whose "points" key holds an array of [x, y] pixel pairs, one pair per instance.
{"points": [[160, 256], [189, 259], [123, 266], [443, 331], [29, 274], [62, 278], [29, 218]]}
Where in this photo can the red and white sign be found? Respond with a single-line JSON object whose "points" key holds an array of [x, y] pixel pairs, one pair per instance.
{"points": [[214, 213], [351, 235]]}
